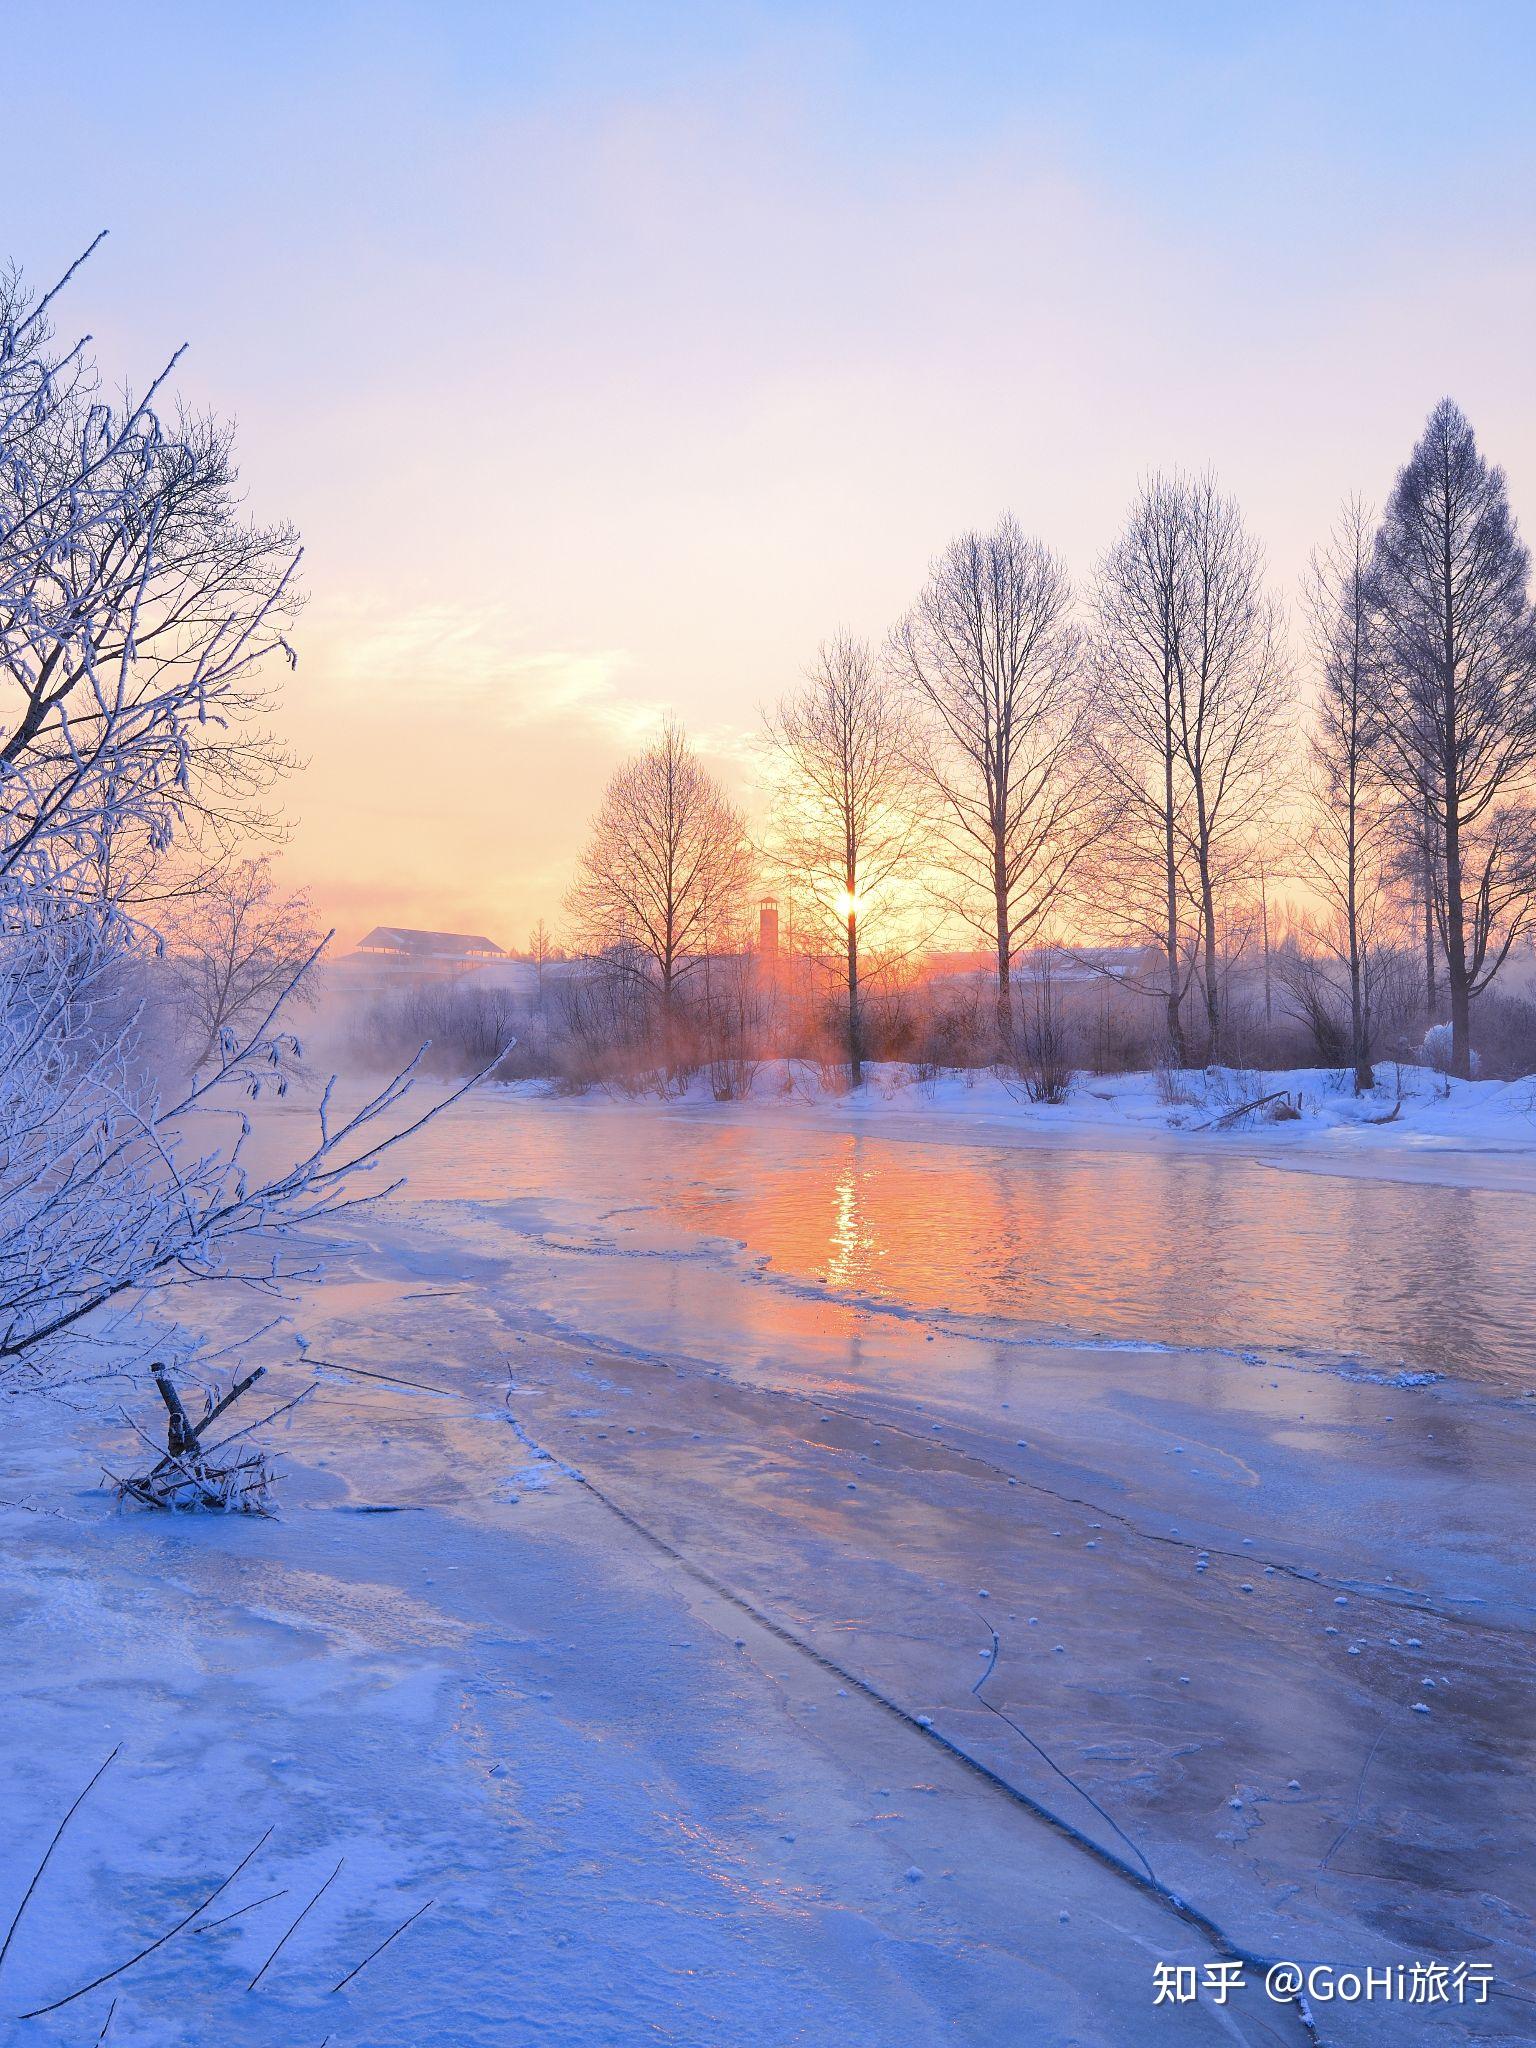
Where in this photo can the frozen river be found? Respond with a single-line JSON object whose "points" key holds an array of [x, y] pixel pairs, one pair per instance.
{"points": [[1187, 1243], [1237, 1449], [934, 1576]]}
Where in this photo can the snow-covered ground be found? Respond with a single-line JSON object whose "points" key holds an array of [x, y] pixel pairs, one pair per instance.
{"points": [[737, 1444], [1311, 1113]]}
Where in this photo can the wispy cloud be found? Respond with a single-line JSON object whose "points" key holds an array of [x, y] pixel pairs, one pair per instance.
{"points": [[469, 661], [469, 664]]}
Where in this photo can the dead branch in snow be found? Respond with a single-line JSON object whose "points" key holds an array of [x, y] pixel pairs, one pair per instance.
{"points": [[186, 1477], [1046, 1758], [224, 1919], [384, 1944], [185, 1921], [1354, 1812], [1233, 1116], [295, 1924], [43, 1865]]}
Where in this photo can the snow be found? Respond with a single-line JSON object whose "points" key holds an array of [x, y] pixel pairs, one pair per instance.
{"points": [[1411, 1111], [662, 1713]]}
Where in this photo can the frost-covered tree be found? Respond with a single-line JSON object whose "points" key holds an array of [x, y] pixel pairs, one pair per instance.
{"points": [[1140, 603], [108, 1193], [232, 950], [1192, 694], [1456, 691], [137, 609], [1345, 843], [138, 612]]}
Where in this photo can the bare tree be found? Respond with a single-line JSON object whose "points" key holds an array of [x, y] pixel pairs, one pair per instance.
{"points": [[1140, 601], [846, 811], [1457, 700], [666, 866], [233, 950], [1345, 842], [541, 950], [1192, 691], [991, 654]]}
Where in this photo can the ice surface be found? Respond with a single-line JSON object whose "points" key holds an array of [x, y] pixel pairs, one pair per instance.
{"points": [[636, 1752]]}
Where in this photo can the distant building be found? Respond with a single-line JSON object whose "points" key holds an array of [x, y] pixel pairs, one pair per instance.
{"points": [[440, 952], [394, 953]]}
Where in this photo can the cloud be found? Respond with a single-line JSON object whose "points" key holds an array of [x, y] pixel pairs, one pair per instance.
{"points": [[466, 662], [465, 665]]}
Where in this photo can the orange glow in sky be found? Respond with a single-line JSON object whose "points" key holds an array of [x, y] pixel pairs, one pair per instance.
{"points": [[608, 363]]}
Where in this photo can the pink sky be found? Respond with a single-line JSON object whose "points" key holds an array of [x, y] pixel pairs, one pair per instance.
{"points": [[608, 375]]}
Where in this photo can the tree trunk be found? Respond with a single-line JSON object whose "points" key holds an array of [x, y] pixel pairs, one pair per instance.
{"points": [[1431, 979], [1269, 987], [855, 1033], [1004, 953], [1359, 1035], [1456, 952], [1455, 927], [1171, 882], [1208, 920], [668, 1006], [1212, 978], [1365, 1072]]}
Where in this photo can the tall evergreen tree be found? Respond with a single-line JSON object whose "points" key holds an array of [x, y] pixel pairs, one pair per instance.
{"points": [[1457, 699]]}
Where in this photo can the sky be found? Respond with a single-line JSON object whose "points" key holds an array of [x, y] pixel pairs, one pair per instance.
{"points": [[609, 357]]}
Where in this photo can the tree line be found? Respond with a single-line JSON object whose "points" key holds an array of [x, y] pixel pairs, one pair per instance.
{"points": [[1134, 764]]}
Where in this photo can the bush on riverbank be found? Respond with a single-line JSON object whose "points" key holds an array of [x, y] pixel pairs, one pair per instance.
{"points": [[604, 1026]]}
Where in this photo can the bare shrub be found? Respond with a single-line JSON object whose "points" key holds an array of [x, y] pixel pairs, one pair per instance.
{"points": [[603, 1036], [1040, 1054], [1177, 1086], [1504, 1034], [466, 1026], [953, 1028], [726, 1020]]}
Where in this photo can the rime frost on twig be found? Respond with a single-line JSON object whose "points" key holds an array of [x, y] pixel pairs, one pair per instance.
{"points": [[108, 1194], [137, 608], [188, 1476]]}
